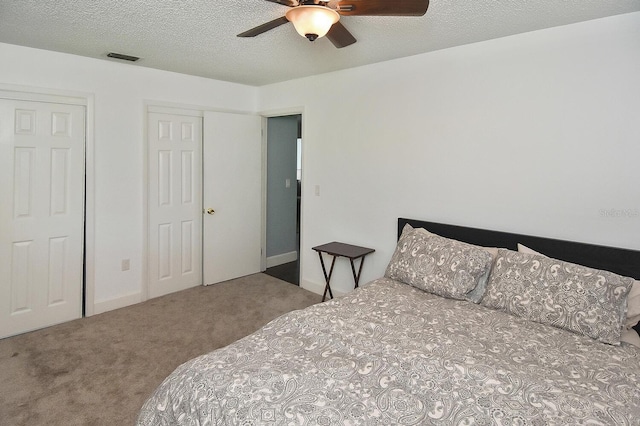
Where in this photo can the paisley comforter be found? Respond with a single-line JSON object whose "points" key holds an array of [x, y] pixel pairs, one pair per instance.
{"points": [[391, 354]]}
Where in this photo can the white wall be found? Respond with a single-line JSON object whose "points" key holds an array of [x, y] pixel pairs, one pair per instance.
{"points": [[120, 92], [537, 133]]}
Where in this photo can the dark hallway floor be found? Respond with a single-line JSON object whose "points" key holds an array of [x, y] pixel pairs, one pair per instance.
{"points": [[289, 272]]}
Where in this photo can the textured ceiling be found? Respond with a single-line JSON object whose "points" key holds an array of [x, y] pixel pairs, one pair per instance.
{"points": [[198, 37]]}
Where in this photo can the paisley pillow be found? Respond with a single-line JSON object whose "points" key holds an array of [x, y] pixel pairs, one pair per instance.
{"points": [[562, 294], [439, 265], [633, 300]]}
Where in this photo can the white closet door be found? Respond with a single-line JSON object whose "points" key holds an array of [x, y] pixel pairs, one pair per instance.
{"points": [[175, 202], [41, 214], [232, 195]]}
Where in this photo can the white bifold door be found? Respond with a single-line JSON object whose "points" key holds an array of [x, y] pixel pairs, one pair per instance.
{"points": [[41, 214], [175, 202], [205, 183]]}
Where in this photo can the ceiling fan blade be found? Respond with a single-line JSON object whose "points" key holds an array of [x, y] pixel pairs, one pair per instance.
{"points": [[264, 27], [340, 36], [289, 3], [381, 7]]}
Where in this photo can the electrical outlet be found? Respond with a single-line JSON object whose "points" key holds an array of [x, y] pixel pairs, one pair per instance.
{"points": [[126, 264]]}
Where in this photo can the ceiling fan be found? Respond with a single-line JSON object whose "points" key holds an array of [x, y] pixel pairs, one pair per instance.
{"points": [[316, 18]]}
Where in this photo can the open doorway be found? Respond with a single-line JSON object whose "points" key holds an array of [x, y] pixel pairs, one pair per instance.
{"points": [[284, 175]]}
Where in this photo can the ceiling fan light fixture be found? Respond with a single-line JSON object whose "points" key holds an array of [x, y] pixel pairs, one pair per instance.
{"points": [[312, 21]]}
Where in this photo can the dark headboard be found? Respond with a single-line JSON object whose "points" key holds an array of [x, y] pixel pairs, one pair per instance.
{"points": [[621, 261]]}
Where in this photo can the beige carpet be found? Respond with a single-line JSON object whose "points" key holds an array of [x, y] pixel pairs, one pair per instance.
{"points": [[100, 370]]}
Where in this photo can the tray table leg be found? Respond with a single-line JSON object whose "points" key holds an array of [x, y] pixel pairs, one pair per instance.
{"points": [[356, 277], [327, 278]]}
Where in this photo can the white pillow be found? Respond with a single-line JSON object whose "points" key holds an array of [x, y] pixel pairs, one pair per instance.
{"points": [[631, 337], [633, 306], [633, 299], [524, 249]]}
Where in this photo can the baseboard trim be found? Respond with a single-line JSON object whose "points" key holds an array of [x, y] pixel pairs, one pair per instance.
{"points": [[318, 288], [117, 303], [281, 259]]}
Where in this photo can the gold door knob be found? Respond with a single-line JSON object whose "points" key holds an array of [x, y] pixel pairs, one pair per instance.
{"points": [[210, 211]]}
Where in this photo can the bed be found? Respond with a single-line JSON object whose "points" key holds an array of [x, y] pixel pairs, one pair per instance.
{"points": [[425, 345]]}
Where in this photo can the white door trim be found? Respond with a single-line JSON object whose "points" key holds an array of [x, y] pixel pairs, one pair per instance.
{"points": [[11, 91], [175, 110]]}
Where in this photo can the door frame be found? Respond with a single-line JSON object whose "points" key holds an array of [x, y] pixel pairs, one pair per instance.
{"points": [[299, 110], [39, 94]]}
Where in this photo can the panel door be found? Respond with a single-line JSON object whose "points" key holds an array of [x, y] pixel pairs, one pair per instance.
{"points": [[41, 214], [175, 202], [233, 190]]}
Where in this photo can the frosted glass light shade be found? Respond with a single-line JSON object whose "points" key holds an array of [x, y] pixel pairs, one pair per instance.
{"points": [[312, 21]]}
